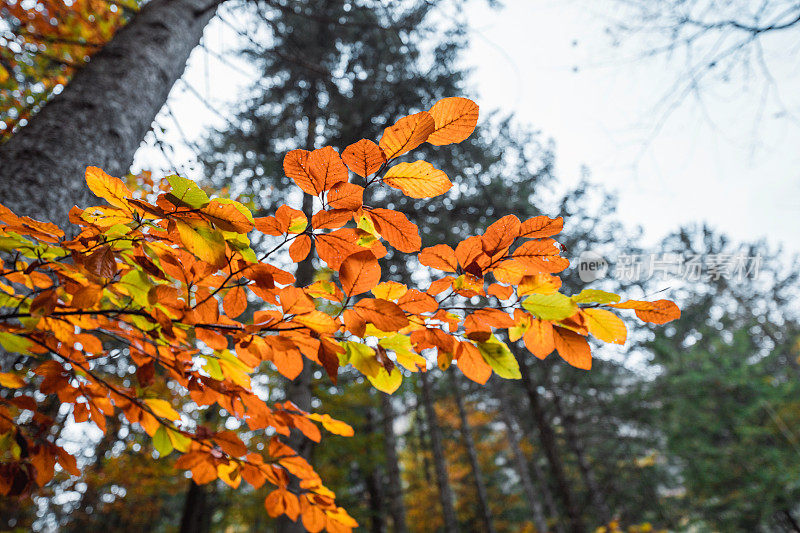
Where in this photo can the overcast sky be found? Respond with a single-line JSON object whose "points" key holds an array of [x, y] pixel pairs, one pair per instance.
{"points": [[732, 160]]}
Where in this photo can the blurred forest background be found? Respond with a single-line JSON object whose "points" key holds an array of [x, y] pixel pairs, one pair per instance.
{"points": [[690, 427]]}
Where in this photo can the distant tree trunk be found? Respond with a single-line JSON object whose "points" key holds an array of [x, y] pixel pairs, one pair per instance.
{"points": [[547, 494], [397, 508], [196, 517], [373, 482], [104, 113], [548, 440], [522, 463], [472, 453], [421, 430], [599, 503], [439, 460]]}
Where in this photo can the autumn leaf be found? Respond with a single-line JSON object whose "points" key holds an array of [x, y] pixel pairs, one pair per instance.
{"points": [[406, 134], [359, 273], [441, 257], [345, 195], [396, 229], [605, 325], [541, 226], [206, 243], [500, 358], [573, 348], [107, 187], [363, 157], [471, 363], [554, 306], [454, 120], [418, 179], [658, 312]]}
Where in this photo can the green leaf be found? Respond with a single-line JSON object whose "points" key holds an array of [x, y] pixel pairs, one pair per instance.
{"points": [[185, 192], [178, 440], [213, 369], [406, 356], [162, 442], [14, 343], [550, 306], [595, 296], [500, 358]]}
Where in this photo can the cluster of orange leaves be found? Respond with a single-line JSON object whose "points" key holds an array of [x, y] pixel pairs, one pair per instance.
{"points": [[43, 43], [175, 286]]}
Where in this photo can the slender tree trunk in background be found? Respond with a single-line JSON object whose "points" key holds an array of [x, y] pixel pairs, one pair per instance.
{"points": [[422, 430], [196, 516], [374, 485], [522, 462], [394, 486], [547, 494], [550, 446], [601, 509], [472, 453], [103, 114], [439, 460]]}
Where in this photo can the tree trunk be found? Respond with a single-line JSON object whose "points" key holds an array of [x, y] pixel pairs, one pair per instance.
{"points": [[439, 460], [103, 114], [522, 463], [599, 503], [472, 453], [372, 478], [196, 516], [397, 508], [548, 440]]}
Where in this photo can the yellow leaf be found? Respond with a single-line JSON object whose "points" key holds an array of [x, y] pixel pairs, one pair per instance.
{"points": [[107, 187], [389, 290], [605, 325], [11, 381], [162, 408], [418, 179], [206, 243]]}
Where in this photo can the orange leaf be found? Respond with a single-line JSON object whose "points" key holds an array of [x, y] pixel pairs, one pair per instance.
{"points": [[235, 302], [541, 255], [406, 134], [396, 229], [455, 119], [335, 218], [441, 257], [300, 248], [500, 235], [385, 315], [418, 179], [573, 348], [658, 312], [326, 168], [414, 301], [363, 157], [541, 226], [359, 273], [346, 195], [226, 217], [539, 338], [109, 188], [295, 165], [471, 363]]}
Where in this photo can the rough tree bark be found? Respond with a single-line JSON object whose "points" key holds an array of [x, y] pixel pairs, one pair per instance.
{"points": [[522, 463], [439, 460], [550, 446], [397, 509], [472, 453], [103, 114]]}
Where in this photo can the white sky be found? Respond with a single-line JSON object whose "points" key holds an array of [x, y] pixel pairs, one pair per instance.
{"points": [[733, 161]]}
